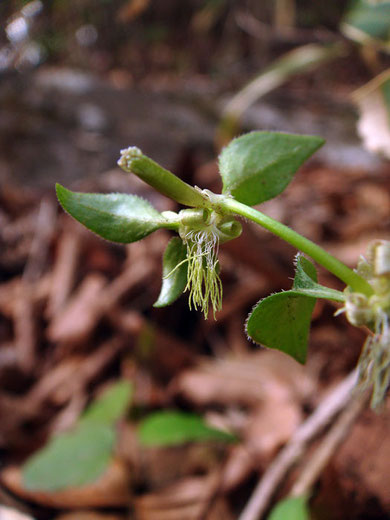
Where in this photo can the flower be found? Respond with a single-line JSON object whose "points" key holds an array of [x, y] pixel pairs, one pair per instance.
{"points": [[202, 231], [373, 312]]}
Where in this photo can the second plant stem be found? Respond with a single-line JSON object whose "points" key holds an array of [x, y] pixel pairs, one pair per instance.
{"points": [[344, 273]]}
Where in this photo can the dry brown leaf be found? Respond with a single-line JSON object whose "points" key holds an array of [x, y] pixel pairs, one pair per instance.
{"points": [[239, 465], [64, 269], [245, 380], [162, 466], [189, 499], [25, 329], [271, 426], [88, 515], [86, 369], [111, 490], [78, 318]]}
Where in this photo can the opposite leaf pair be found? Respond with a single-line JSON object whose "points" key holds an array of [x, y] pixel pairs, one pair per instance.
{"points": [[254, 168]]}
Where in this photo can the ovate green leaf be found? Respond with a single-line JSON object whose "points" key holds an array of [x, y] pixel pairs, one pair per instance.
{"points": [[258, 166], [71, 459], [80, 456], [171, 428], [111, 405], [116, 216], [293, 508], [174, 272], [282, 321]]}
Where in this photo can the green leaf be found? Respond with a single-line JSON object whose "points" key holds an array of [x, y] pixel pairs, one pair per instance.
{"points": [[169, 428], [258, 166], [71, 459], [111, 405], [282, 321], [293, 508], [304, 282], [365, 21], [117, 217], [174, 272], [79, 457]]}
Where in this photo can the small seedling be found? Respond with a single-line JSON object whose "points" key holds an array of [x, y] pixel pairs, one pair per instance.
{"points": [[254, 168]]}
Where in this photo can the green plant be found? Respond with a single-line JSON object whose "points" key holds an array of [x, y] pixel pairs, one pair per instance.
{"points": [[90, 443], [254, 168]]}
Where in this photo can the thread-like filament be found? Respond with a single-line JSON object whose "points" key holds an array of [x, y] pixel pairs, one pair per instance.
{"points": [[203, 281]]}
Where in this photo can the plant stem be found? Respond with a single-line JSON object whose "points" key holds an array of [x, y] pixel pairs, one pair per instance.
{"points": [[344, 273], [159, 178]]}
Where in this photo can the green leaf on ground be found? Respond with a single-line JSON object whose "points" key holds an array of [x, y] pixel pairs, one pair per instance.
{"points": [[111, 405], [80, 456], [258, 166], [282, 321], [167, 428], [293, 508], [174, 272], [71, 459], [117, 217]]}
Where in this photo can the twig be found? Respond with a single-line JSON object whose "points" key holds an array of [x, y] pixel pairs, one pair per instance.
{"points": [[331, 405], [64, 271], [319, 459], [262, 31]]}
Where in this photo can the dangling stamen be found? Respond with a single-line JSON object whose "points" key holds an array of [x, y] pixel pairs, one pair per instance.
{"points": [[374, 362], [203, 281]]}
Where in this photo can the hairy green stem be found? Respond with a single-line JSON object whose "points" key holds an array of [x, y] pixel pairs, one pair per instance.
{"points": [[344, 273]]}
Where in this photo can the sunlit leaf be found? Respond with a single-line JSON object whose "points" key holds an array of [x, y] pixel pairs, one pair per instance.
{"points": [[117, 217], [293, 508], [171, 428], [174, 272], [258, 166]]}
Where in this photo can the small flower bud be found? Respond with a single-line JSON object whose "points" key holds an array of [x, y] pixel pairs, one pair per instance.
{"points": [[127, 156]]}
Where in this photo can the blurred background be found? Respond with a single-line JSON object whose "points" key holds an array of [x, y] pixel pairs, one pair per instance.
{"points": [[81, 80]]}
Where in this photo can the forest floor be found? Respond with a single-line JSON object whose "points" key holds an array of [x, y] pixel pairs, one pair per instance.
{"points": [[76, 312]]}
